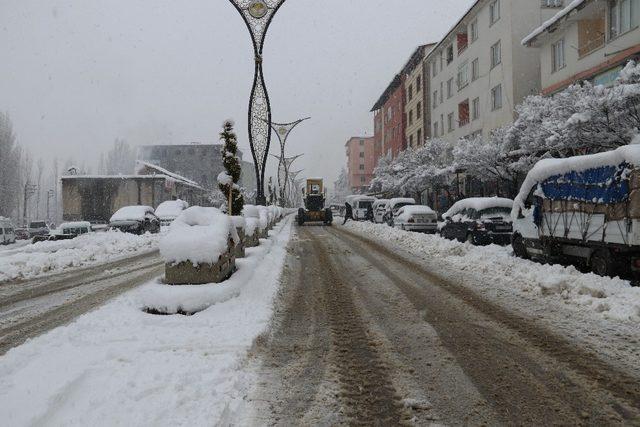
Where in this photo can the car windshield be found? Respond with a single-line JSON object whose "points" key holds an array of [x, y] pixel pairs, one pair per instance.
{"points": [[495, 212], [365, 204], [400, 205], [37, 224]]}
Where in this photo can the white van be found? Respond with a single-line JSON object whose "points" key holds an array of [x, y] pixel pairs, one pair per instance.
{"points": [[360, 204], [380, 207], [7, 234]]}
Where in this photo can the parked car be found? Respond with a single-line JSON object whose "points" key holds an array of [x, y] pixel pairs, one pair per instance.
{"points": [[169, 210], [416, 218], [360, 204], [7, 234], [38, 228], [479, 220], [380, 207], [135, 219], [394, 205], [76, 228], [582, 210], [21, 233]]}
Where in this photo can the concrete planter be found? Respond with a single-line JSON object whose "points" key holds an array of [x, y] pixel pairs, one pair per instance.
{"points": [[239, 247], [186, 273], [252, 241]]}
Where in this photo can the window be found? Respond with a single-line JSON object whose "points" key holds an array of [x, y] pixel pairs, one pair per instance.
{"points": [[411, 141], [473, 29], [410, 117], [475, 109], [435, 98], [418, 110], [475, 69], [435, 69], [494, 12], [449, 54], [418, 84], [441, 124], [362, 179], [450, 88], [551, 3], [557, 60], [419, 137], [361, 154], [463, 75], [462, 40], [496, 98], [449, 122], [361, 167], [441, 91], [441, 60], [496, 54], [361, 142], [410, 92], [463, 113], [435, 129], [623, 16]]}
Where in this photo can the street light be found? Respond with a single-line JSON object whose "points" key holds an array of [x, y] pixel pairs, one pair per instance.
{"points": [[257, 15], [284, 165]]}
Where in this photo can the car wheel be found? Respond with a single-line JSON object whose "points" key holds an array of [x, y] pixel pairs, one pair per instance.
{"points": [[602, 263], [519, 249]]}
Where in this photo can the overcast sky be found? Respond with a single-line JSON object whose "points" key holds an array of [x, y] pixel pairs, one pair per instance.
{"points": [[75, 75]]}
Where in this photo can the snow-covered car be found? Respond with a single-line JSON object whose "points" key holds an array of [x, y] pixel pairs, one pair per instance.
{"points": [[394, 205], [360, 204], [7, 234], [169, 210], [135, 220], [582, 210], [75, 228], [21, 233], [380, 207], [38, 228], [416, 218], [479, 220]]}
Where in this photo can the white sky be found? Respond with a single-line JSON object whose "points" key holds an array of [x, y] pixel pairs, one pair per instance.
{"points": [[74, 75]]}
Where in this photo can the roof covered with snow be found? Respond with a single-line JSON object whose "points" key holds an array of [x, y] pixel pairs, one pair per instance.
{"points": [[479, 204], [417, 210], [397, 200], [573, 5], [131, 213], [141, 164], [75, 224]]}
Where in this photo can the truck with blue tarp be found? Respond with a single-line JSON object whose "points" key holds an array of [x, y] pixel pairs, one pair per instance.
{"points": [[582, 210]]}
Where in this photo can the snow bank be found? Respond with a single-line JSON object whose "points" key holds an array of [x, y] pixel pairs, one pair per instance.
{"points": [[171, 208], [120, 366], [239, 222], [418, 210], [479, 204], [547, 168], [495, 269], [88, 249], [131, 213], [199, 235]]}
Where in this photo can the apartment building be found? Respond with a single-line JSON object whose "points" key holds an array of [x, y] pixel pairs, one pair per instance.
{"points": [[480, 71], [416, 106], [389, 118], [587, 40], [361, 161]]}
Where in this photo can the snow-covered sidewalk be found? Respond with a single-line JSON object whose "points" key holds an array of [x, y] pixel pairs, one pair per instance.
{"points": [[121, 366], [601, 313], [32, 260]]}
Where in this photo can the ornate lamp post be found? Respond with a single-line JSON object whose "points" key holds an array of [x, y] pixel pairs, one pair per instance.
{"points": [[257, 15], [284, 165], [283, 130]]}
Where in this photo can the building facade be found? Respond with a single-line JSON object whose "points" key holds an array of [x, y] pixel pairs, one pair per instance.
{"points": [[361, 161], [480, 71], [201, 163], [416, 88], [390, 115], [587, 40]]}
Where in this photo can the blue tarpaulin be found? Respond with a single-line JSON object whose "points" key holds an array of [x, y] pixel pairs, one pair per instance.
{"points": [[606, 184]]}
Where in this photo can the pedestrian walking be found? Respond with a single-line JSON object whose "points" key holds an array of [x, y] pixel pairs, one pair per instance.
{"points": [[348, 213], [369, 214]]}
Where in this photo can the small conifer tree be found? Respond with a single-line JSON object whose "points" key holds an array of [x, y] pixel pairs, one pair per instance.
{"points": [[228, 180]]}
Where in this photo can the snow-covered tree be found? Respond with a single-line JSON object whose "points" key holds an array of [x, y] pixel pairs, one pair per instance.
{"points": [[341, 188], [10, 154], [228, 180], [119, 160]]}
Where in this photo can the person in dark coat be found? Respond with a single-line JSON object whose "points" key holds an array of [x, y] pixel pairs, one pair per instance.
{"points": [[369, 214], [348, 213]]}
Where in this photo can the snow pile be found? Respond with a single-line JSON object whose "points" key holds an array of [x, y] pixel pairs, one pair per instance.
{"points": [[171, 208], [494, 269], [131, 213], [199, 235], [224, 178], [479, 204], [264, 217], [87, 249], [120, 366], [418, 210], [239, 222]]}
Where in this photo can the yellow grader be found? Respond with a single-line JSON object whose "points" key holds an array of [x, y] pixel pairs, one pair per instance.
{"points": [[314, 199]]}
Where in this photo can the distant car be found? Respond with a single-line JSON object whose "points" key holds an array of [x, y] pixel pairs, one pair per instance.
{"points": [[479, 220], [394, 205], [380, 207], [169, 210], [359, 205], [38, 228], [76, 228], [7, 234], [21, 234], [135, 220], [416, 218]]}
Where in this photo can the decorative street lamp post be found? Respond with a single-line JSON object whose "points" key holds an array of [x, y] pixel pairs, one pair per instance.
{"points": [[257, 15], [283, 130], [284, 164]]}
